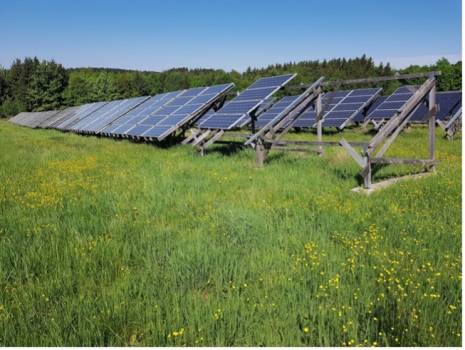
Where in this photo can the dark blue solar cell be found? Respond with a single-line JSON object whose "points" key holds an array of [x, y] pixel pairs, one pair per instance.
{"points": [[151, 120], [193, 92], [338, 94], [347, 107], [383, 114], [360, 117], [205, 117], [275, 111], [255, 94], [158, 131], [120, 130], [337, 114], [107, 129], [201, 99], [238, 107], [173, 119], [165, 111], [306, 120], [189, 108], [272, 81], [333, 122], [364, 92], [138, 130], [355, 99], [179, 101], [391, 104], [217, 89], [399, 98], [221, 121]]}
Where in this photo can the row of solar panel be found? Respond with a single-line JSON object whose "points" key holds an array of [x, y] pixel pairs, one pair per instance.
{"points": [[149, 117], [158, 116], [343, 107]]}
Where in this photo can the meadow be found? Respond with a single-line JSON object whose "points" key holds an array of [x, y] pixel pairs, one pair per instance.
{"points": [[106, 242]]}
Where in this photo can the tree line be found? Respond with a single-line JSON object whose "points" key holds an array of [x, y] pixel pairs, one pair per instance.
{"points": [[37, 85]]}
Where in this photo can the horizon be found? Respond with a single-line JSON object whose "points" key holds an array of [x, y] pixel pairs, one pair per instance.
{"points": [[119, 35]]}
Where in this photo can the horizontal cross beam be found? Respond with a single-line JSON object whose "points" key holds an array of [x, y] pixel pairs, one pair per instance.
{"points": [[371, 80], [382, 160]]}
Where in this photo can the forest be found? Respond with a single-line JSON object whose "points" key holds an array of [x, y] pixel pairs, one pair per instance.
{"points": [[31, 84]]}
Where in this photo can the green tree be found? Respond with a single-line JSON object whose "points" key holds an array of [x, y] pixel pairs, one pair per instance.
{"points": [[175, 80], [47, 85], [451, 78], [19, 79], [78, 90], [11, 107], [104, 88]]}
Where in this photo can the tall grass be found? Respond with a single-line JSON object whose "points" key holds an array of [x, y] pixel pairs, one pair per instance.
{"points": [[107, 242]]}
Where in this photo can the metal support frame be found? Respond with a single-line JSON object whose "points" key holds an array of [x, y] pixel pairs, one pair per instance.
{"points": [[453, 125], [372, 156], [269, 136]]}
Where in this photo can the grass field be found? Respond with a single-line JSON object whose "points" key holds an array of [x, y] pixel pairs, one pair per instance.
{"points": [[107, 242]]}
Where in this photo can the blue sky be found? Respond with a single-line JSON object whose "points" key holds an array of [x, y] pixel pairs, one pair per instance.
{"points": [[157, 35]]}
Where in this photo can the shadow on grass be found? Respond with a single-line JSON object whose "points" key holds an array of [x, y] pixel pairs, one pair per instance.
{"points": [[227, 149]]}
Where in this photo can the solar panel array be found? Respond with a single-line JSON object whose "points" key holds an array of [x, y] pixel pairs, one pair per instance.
{"points": [[180, 108], [339, 107], [96, 121], [159, 116], [236, 113], [122, 125], [449, 102]]}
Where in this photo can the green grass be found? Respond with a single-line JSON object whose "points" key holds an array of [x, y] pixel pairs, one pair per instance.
{"points": [[107, 242]]}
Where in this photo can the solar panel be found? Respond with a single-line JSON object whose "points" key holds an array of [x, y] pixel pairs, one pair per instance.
{"points": [[392, 103], [32, 119], [58, 117], [308, 118], [187, 105], [449, 102], [236, 113], [275, 111], [205, 117], [360, 117], [82, 112], [134, 116], [107, 114], [349, 106], [339, 108]]}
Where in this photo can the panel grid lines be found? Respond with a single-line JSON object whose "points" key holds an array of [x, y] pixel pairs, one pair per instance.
{"points": [[236, 113], [187, 104]]}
